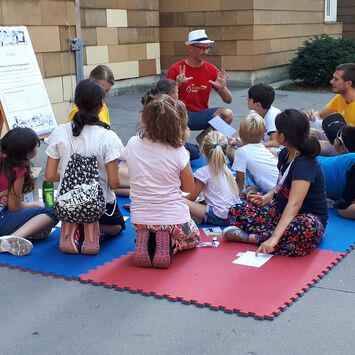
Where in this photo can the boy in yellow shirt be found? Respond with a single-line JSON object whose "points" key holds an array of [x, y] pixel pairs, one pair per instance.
{"points": [[104, 76]]}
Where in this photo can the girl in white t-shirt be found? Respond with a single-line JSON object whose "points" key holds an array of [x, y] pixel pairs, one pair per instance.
{"points": [[88, 137], [159, 168], [253, 158], [215, 181]]}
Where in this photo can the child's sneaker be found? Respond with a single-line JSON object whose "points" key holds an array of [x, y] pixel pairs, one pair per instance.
{"points": [[91, 243], [15, 245], [141, 256], [163, 251], [69, 238]]}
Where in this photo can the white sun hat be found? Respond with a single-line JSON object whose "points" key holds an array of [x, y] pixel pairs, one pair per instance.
{"points": [[198, 36]]}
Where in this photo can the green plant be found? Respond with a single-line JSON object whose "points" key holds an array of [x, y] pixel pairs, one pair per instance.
{"points": [[318, 57]]}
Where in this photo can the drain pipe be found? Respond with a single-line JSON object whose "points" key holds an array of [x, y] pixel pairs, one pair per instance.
{"points": [[76, 44]]}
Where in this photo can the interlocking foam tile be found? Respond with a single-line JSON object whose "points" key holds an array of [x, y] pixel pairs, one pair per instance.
{"points": [[339, 234], [206, 277], [47, 259]]}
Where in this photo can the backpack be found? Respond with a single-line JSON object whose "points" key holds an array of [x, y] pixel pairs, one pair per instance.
{"points": [[81, 198]]}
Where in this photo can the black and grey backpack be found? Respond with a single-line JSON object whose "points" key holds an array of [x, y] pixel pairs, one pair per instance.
{"points": [[81, 198]]}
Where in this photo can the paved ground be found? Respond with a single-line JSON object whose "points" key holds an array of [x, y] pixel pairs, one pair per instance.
{"points": [[42, 315]]}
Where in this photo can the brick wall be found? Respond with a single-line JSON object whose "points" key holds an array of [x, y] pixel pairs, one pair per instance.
{"points": [[124, 34], [346, 15], [250, 34]]}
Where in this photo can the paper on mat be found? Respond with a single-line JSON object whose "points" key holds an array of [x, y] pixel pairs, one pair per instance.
{"points": [[249, 259], [218, 124]]}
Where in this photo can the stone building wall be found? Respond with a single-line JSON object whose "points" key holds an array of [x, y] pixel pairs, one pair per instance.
{"points": [[251, 35], [346, 15]]}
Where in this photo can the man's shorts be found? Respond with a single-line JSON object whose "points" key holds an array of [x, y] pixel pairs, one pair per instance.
{"points": [[198, 120]]}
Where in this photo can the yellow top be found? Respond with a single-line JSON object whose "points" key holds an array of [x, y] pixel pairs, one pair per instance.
{"points": [[104, 115], [339, 105]]}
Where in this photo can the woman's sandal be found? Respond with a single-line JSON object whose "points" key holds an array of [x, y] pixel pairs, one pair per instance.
{"points": [[235, 234]]}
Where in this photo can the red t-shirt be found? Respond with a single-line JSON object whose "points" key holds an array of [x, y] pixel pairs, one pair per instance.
{"points": [[4, 185], [196, 92]]}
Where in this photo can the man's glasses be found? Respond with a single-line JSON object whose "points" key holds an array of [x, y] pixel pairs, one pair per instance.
{"points": [[340, 137], [205, 49]]}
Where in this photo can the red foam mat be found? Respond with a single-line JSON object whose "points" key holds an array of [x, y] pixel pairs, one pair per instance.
{"points": [[206, 277]]}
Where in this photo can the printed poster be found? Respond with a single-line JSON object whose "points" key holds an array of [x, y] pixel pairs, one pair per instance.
{"points": [[22, 92]]}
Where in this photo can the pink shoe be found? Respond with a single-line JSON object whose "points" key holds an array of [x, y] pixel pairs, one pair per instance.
{"points": [[69, 238], [141, 257], [91, 243], [162, 256]]}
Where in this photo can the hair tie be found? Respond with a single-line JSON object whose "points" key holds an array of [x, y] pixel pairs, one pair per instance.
{"points": [[3, 155], [216, 145]]}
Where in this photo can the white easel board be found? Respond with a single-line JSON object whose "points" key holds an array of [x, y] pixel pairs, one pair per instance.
{"points": [[23, 96]]}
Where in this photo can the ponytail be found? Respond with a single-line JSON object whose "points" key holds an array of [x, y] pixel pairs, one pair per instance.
{"points": [[215, 149], [294, 125], [82, 118], [310, 147]]}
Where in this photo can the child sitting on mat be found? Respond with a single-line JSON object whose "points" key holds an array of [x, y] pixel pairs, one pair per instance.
{"points": [[215, 181], [253, 158], [159, 168], [292, 222], [19, 219], [87, 136]]}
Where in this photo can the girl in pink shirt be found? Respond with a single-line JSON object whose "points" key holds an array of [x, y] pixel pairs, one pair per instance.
{"points": [[20, 221], [159, 169]]}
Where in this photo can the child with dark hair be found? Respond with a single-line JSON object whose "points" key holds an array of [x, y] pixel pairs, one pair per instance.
{"points": [[291, 218], [104, 76], [88, 136], [159, 169], [18, 219], [260, 100]]}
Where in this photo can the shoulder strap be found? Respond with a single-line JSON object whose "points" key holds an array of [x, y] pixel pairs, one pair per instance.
{"points": [[70, 136]]}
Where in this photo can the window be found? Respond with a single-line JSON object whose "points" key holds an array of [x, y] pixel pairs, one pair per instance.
{"points": [[330, 10]]}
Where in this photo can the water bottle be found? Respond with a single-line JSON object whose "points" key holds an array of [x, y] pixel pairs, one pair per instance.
{"points": [[48, 193]]}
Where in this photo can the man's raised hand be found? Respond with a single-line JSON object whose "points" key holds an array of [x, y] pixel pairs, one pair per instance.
{"points": [[221, 81], [181, 77]]}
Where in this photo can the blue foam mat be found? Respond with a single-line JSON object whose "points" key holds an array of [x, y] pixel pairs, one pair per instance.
{"points": [[47, 258], [339, 234]]}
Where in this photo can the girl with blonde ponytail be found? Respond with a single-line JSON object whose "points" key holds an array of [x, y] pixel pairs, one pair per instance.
{"points": [[215, 181]]}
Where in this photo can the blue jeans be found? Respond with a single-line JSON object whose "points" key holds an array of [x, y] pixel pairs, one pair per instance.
{"points": [[211, 218], [11, 221], [198, 120]]}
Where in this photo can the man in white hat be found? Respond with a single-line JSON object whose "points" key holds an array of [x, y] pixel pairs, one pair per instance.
{"points": [[195, 78]]}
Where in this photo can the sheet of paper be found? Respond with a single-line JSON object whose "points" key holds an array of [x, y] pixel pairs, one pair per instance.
{"points": [[249, 259], [218, 124]]}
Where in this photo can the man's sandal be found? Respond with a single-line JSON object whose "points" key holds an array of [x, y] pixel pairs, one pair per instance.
{"points": [[235, 234]]}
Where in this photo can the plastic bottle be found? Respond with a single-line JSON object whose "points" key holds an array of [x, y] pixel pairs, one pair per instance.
{"points": [[48, 193]]}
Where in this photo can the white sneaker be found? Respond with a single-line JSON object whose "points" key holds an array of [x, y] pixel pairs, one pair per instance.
{"points": [[15, 245]]}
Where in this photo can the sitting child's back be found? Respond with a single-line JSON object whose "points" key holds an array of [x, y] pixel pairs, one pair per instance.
{"points": [[154, 170]]}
